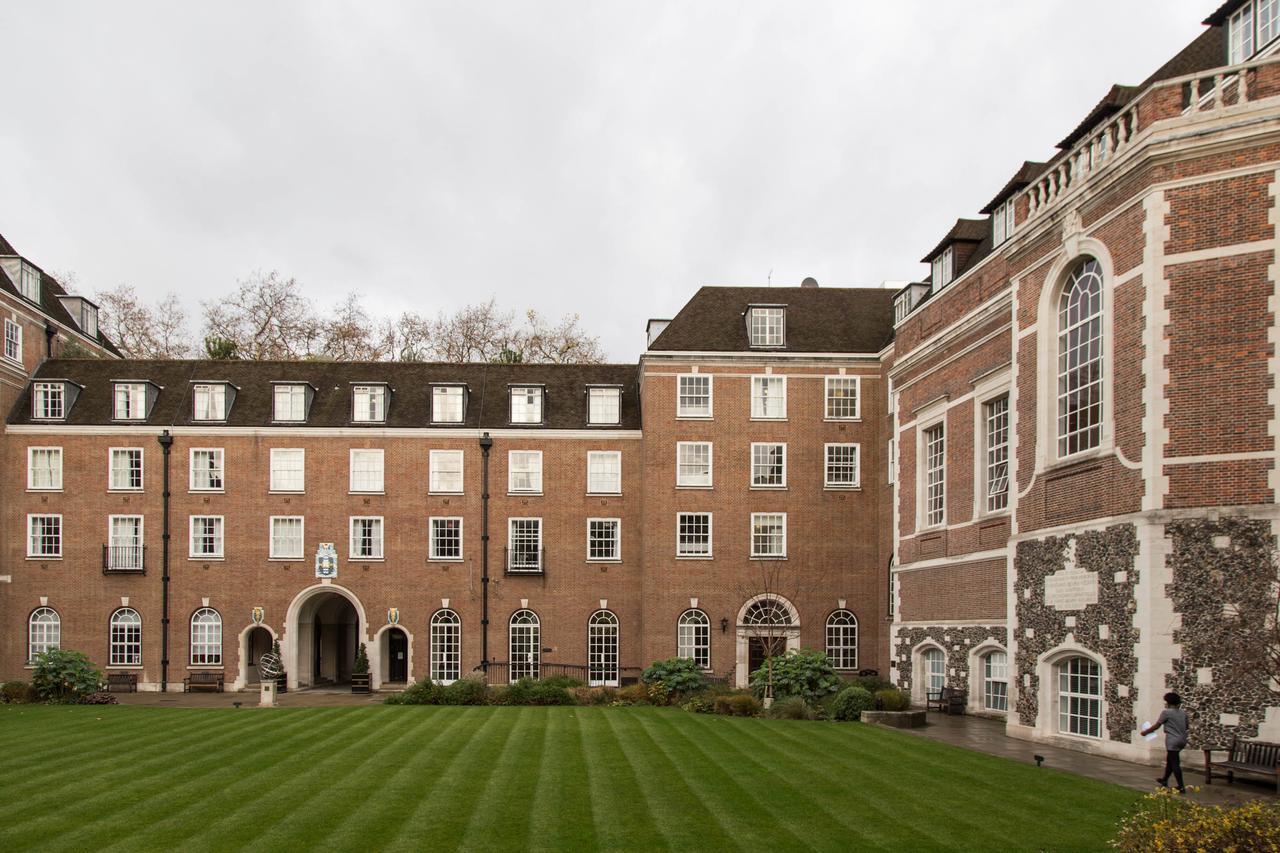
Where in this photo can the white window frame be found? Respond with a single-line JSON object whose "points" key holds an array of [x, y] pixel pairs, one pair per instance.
{"points": [[1070, 700], [295, 394], [41, 554], [827, 482], [127, 453], [757, 554], [695, 378], [827, 383], [602, 649], [593, 488], [281, 453], [124, 636], [134, 397], [29, 282], [931, 516], [446, 646], [617, 540], [935, 677], [374, 410], [13, 341], [538, 405], [535, 476], [681, 482], [221, 469], [943, 268], [764, 446], [215, 402], [604, 394], [842, 624], [1070, 336], [137, 540], [539, 549], [433, 546], [379, 543], [55, 472], [378, 471], [995, 454], [219, 537], [695, 555], [49, 633], [995, 674], [44, 395], [434, 459], [1267, 20], [448, 393], [763, 397], [1241, 43], [524, 635], [693, 637], [205, 648], [761, 334], [274, 540]]}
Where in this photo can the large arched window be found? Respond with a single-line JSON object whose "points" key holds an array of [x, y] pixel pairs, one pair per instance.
{"points": [[1080, 364], [1080, 697], [446, 646], [693, 637], [768, 611], [206, 637], [602, 649], [525, 634], [842, 639], [126, 638], [935, 669], [995, 681], [44, 631]]}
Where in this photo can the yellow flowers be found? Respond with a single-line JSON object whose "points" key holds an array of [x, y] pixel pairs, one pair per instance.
{"points": [[1167, 822]]}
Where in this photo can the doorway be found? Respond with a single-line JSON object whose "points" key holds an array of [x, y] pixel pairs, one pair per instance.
{"points": [[327, 638], [397, 656], [758, 651], [257, 644]]}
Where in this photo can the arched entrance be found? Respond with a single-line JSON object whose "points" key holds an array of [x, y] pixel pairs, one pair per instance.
{"points": [[257, 642], [325, 627], [766, 622], [394, 645]]}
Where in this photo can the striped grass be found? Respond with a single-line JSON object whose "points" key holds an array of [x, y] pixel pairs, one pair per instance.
{"points": [[126, 778]]}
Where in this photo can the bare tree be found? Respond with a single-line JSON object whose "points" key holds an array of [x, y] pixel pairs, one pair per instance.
{"points": [[562, 343], [140, 330], [266, 318], [770, 618], [474, 333], [350, 334]]}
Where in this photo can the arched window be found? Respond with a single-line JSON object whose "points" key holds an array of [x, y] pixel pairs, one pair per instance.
{"points": [[995, 681], [206, 637], [44, 631], [126, 638], [768, 611], [602, 649], [842, 639], [935, 669], [446, 646], [525, 645], [693, 637], [1080, 697], [1080, 360]]}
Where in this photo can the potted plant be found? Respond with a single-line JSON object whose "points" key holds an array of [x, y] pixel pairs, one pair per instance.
{"points": [[282, 680], [360, 672]]}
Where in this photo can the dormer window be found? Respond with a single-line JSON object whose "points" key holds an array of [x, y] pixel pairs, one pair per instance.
{"points": [[448, 404], [943, 268], [369, 404], [901, 307], [130, 401], [209, 402], [1002, 221], [89, 318], [604, 406], [29, 282], [766, 325], [289, 402], [49, 401], [526, 404]]}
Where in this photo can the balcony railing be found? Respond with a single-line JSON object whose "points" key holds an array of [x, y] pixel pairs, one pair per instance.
{"points": [[525, 561], [123, 559]]}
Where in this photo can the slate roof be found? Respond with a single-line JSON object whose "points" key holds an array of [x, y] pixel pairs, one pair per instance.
{"points": [[818, 320], [1219, 17], [565, 405], [966, 231], [1027, 172]]}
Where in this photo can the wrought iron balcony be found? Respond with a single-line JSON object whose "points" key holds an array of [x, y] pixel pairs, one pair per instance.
{"points": [[123, 559], [525, 561]]}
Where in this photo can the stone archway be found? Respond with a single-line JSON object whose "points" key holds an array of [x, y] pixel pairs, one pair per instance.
{"points": [[255, 641], [764, 620], [324, 627]]}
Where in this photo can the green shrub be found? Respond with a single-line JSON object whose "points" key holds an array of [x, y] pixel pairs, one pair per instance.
{"points": [[17, 693], [593, 695], [99, 698], [464, 691], [792, 708], [872, 683], [806, 673], [744, 705], [679, 676], [526, 691], [64, 676], [421, 693], [563, 681], [851, 702], [635, 694], [1163, 821], [700, 705], [361, 666], [892, 699]]}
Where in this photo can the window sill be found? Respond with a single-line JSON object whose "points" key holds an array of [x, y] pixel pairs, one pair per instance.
{"points": [[45, 491], [286, 491], [524, 494], [994, 515], [366, 559], [781, 420], [297, 559], [446, 559], [766, 557], [844, 420], [447, 494], [31, 559], [613, 425], [200, 558], [755, 488], [603, 494], [206, 491], [706, 488], [694, 417], [124, 491], [832, 488], [364, 494], [1081, 458], [204, 666], [695, 556], [603, 561]]}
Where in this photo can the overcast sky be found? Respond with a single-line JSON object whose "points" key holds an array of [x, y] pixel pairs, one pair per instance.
{"points": [[598, 157]]}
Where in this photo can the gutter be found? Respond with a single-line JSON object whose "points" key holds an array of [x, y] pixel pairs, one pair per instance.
{"points": [[486, 444], [166, 444]]}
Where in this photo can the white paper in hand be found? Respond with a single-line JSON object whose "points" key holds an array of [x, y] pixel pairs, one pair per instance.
{"points": [[1146, 725]]}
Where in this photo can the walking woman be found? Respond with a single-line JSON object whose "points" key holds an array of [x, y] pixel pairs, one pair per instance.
{"points": [[1175, 722]]}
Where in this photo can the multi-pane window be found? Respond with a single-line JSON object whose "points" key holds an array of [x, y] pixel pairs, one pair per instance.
{"points": [[48, 401], [210, 402], [603, 535], [768, 397], [44, 468], [206, 469], [995, 681], [288, 469], [526, 405], [1240, 35], [935, 471], [126, 468], [206, 536], [996, 415], [768, 466], [842, 640], [693, 396], [89, 319], [446, 404], [124, 543], [693, 637], [29, 282], [130, 401], [126, 638], [366, 538], [604, 472], [366, 470], [943, 269], [1002, 222], [44, 632], [935, 669], [604, 405], [767, 326], [12, 341], [524, 545], [289, 403], [286, 537], [693, 534], [1080, 360], [206, 637], [524, 645], [602, 649], [842, 398], [768, 534], [1268, 21], [842, 466], [369, 404], [44, 536], [446, 646], [524, 471], [1080, 697], [693, 463], [445, 472], [446, 538]]}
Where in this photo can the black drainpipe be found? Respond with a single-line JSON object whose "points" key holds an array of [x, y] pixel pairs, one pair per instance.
{"points": [[166, 444], [485, 444], [49, 334]]}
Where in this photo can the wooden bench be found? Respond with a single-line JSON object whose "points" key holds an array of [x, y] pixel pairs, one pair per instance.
{"points": [[211, 681], [122, 682], [948, 700], [1246, 756]]}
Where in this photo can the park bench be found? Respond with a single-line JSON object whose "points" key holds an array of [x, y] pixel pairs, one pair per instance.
{"points": [[1247, 756], [122, 682], [948, 700], [211, 681]]}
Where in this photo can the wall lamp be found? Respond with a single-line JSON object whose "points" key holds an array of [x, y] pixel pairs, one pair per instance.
{"points": [[724, 626]]}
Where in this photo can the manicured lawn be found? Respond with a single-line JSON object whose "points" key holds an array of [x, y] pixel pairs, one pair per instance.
{"points": [[415, 778]]}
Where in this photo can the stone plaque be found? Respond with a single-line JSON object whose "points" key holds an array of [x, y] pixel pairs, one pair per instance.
{"points": [[1072, 588]]}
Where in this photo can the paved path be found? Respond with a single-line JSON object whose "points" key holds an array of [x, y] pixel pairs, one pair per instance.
{"points": [[317, 698]]}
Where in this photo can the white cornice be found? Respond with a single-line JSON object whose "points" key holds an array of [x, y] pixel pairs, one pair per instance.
{"points": [[326, 432]]}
